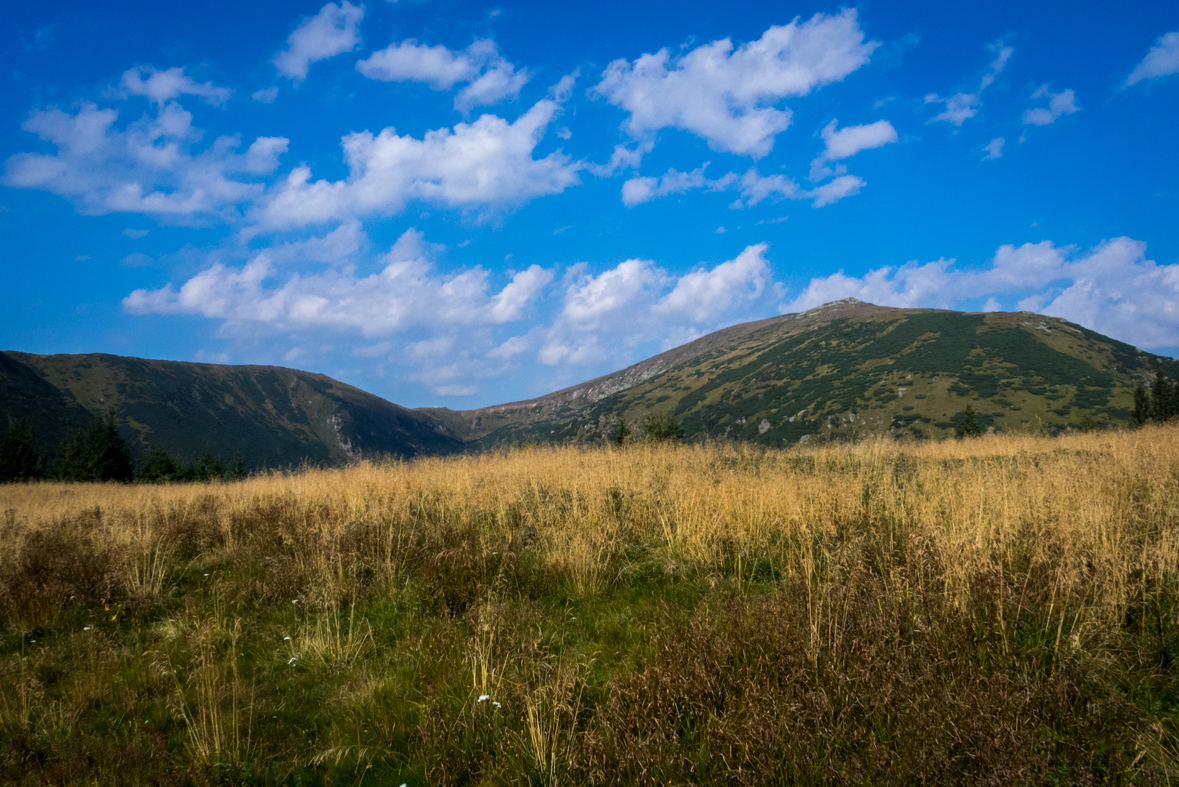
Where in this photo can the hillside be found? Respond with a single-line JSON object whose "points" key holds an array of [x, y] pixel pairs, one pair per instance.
{"points": [[843, 370], [848, 369], [273, 416]]}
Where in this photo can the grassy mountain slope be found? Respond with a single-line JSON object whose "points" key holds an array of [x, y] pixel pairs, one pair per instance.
{"points": [[850, 369], [25, 395], [476, 425], [272, 415]]}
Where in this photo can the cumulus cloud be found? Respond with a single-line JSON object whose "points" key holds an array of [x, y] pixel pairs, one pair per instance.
{"points": [[406, 293], [1162, 60], [624, 157], [638, 190], [725, 95], [1059, 104], [594, 298], [850, 140], [603, 316], [756, 187], [484, 164], [1112, 288], [842, 143], [843, 186], [960, 107], [490, 78], [149, 166], [994, 149], [753, 187], [164, 86], [705, 295], [330, 32]]}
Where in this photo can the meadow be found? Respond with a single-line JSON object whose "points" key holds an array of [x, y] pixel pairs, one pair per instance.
{"points": [[992, 611]]}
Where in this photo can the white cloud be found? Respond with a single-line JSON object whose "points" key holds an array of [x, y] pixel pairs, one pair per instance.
{"points": [[1059, 104], [960, 107], [509, 305], [1162, 60], [753, 186], [595, 298], [994, 149], [623, 157], [266, 95], [638, 190], [1002, 55], [430, 348], [405, 294], [163, 86], [513, 346], [409, 61], [843, 186], [1112, 288], [263, 153], [725, 94], [607, 315], [134, 233], [756, 187], [850, 140], [344, 243], [147, 167], [454, 390], [487, 163], [330, 32], [705, 295], [490, 77]]}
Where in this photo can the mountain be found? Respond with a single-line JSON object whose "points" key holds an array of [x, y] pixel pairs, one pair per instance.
{"points": [[843, 370], [273, 416], [846, 369]]}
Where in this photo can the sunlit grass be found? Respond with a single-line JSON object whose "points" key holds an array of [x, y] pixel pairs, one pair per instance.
{"points": [[986, 610]]}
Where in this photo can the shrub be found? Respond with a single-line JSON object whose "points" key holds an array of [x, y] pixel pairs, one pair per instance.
{"points": [[662, 427]]}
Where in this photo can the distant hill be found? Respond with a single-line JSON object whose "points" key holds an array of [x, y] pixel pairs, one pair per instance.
{"points": [[273, 416], [843, 370], [847, 369]]}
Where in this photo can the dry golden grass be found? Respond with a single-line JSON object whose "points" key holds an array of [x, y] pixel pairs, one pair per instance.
{"points": [[1003, 559], [1086, 501]]}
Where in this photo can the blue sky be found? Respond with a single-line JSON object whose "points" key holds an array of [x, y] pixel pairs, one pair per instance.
{"points": [[458, 204]]}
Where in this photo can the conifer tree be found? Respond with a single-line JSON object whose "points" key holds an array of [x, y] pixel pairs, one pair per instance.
{"points": [[1163, 399], [1143, 410], [20, 459], [95, 454], [205, 467], [237, 470], [621, 431], [160, 467], [968, 426]]}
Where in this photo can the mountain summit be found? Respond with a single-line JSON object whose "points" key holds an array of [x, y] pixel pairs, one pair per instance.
{"points": [[842, 370], [848, 369]]}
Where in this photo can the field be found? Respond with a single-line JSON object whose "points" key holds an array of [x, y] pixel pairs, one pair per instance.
{"points": [[999, 611]]}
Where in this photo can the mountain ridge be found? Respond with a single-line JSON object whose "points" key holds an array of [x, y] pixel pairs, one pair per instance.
{"points": [[273, 415], [971, 355], [842, 370]]}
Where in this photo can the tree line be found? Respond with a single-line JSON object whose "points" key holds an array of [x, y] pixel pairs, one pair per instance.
{"points": [[1159, 404], [99, 453]]}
